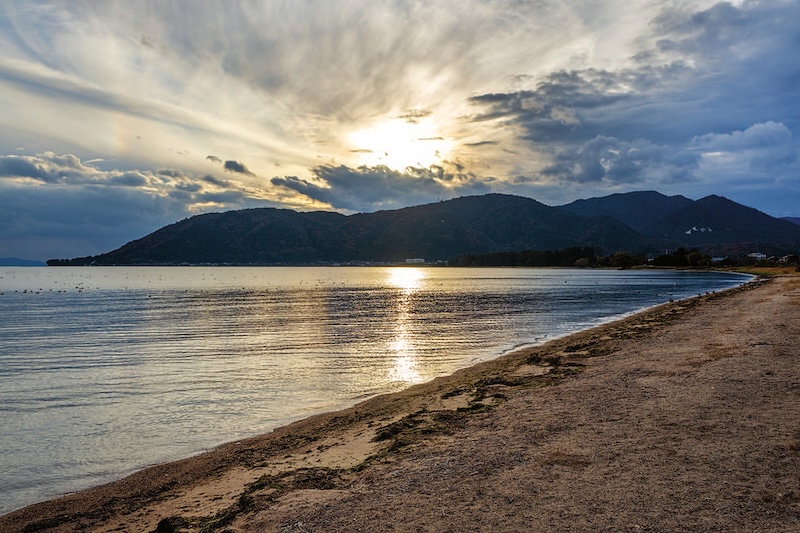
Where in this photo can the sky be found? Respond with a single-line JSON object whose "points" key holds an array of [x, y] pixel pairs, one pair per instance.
{"points": [[119, 117]]}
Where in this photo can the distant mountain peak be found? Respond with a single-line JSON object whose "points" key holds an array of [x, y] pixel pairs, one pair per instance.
{"points": [[639, 209], [16, 261]]}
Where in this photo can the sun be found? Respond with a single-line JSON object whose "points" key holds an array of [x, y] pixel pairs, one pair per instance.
{"points": [[398, 144]]}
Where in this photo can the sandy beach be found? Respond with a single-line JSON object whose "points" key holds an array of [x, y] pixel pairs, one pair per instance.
{"points": [[685, 417]]}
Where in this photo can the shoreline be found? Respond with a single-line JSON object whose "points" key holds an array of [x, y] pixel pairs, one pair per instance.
{"points": [[334, 459]]}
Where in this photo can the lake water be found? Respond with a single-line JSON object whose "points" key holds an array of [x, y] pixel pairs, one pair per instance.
{"points": [[106, 370]]}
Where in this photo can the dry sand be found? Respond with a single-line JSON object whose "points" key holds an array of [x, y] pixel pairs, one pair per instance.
{"points": [[682, 418]]}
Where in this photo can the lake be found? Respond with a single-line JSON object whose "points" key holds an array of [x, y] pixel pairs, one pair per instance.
{"points": [[105, 370]]}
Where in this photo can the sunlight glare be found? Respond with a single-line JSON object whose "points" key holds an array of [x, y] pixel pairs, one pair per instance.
{"points": [[408, 279], [399, 144], [405, 370], [405, 367]]}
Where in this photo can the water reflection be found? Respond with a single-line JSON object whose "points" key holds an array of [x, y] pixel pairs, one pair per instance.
{"points": [[405, 360], [405, 365], [408, 279]]}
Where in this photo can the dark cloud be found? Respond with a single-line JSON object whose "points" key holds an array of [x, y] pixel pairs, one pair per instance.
{"points": [[216, 181], [235, 166], [712, 96], [60, 222], [191, 186], [169, 172], [147, 41], [46, 167], [129, 179], [613, 161], [69, 170], [79, 210], [14, 166], [214, 159], [709, 32], [717, 70], [237, 198], [574, 106], [373, 188]]}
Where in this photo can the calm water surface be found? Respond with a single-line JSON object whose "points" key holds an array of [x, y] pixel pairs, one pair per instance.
{"points": [[106, 370]]}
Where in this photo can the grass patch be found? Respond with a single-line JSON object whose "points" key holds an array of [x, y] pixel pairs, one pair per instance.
{"points": [[538, 359], [405, 424], [453, 393], [226, 516], [319, 478]]}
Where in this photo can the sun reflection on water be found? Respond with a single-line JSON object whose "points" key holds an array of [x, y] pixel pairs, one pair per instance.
{"points": [[405, 365], [408, 279]]}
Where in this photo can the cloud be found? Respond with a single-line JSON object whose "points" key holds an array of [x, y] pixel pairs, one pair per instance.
{"points": [[765, 136], [218, 182], [235, 166], [700, 105], [373, 188], [47, 167], [767, 150], [16, 166], [170, 172], [564, 115], [481, 143], [610, 160], [413, 116], [56, 206], [555, 100], [721, 69], [230, 165]]}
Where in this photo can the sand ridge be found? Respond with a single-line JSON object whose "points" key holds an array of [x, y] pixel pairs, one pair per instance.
{"points": [[685, 417]]}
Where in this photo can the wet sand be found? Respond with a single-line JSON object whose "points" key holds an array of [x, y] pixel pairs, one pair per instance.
{"points": [[685, 417]]}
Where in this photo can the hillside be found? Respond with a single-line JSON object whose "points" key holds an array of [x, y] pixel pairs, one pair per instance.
{"points": [[467, 225], [638, 210], [717, 224], [436, 231]]}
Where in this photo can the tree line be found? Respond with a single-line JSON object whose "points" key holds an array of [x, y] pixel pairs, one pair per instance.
{"points": [[568, 257], [582, 257]]}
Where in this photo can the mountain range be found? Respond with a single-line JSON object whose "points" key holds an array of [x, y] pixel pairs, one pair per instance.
{"points": [[16, 261], [641, 222], [712, 224]]}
